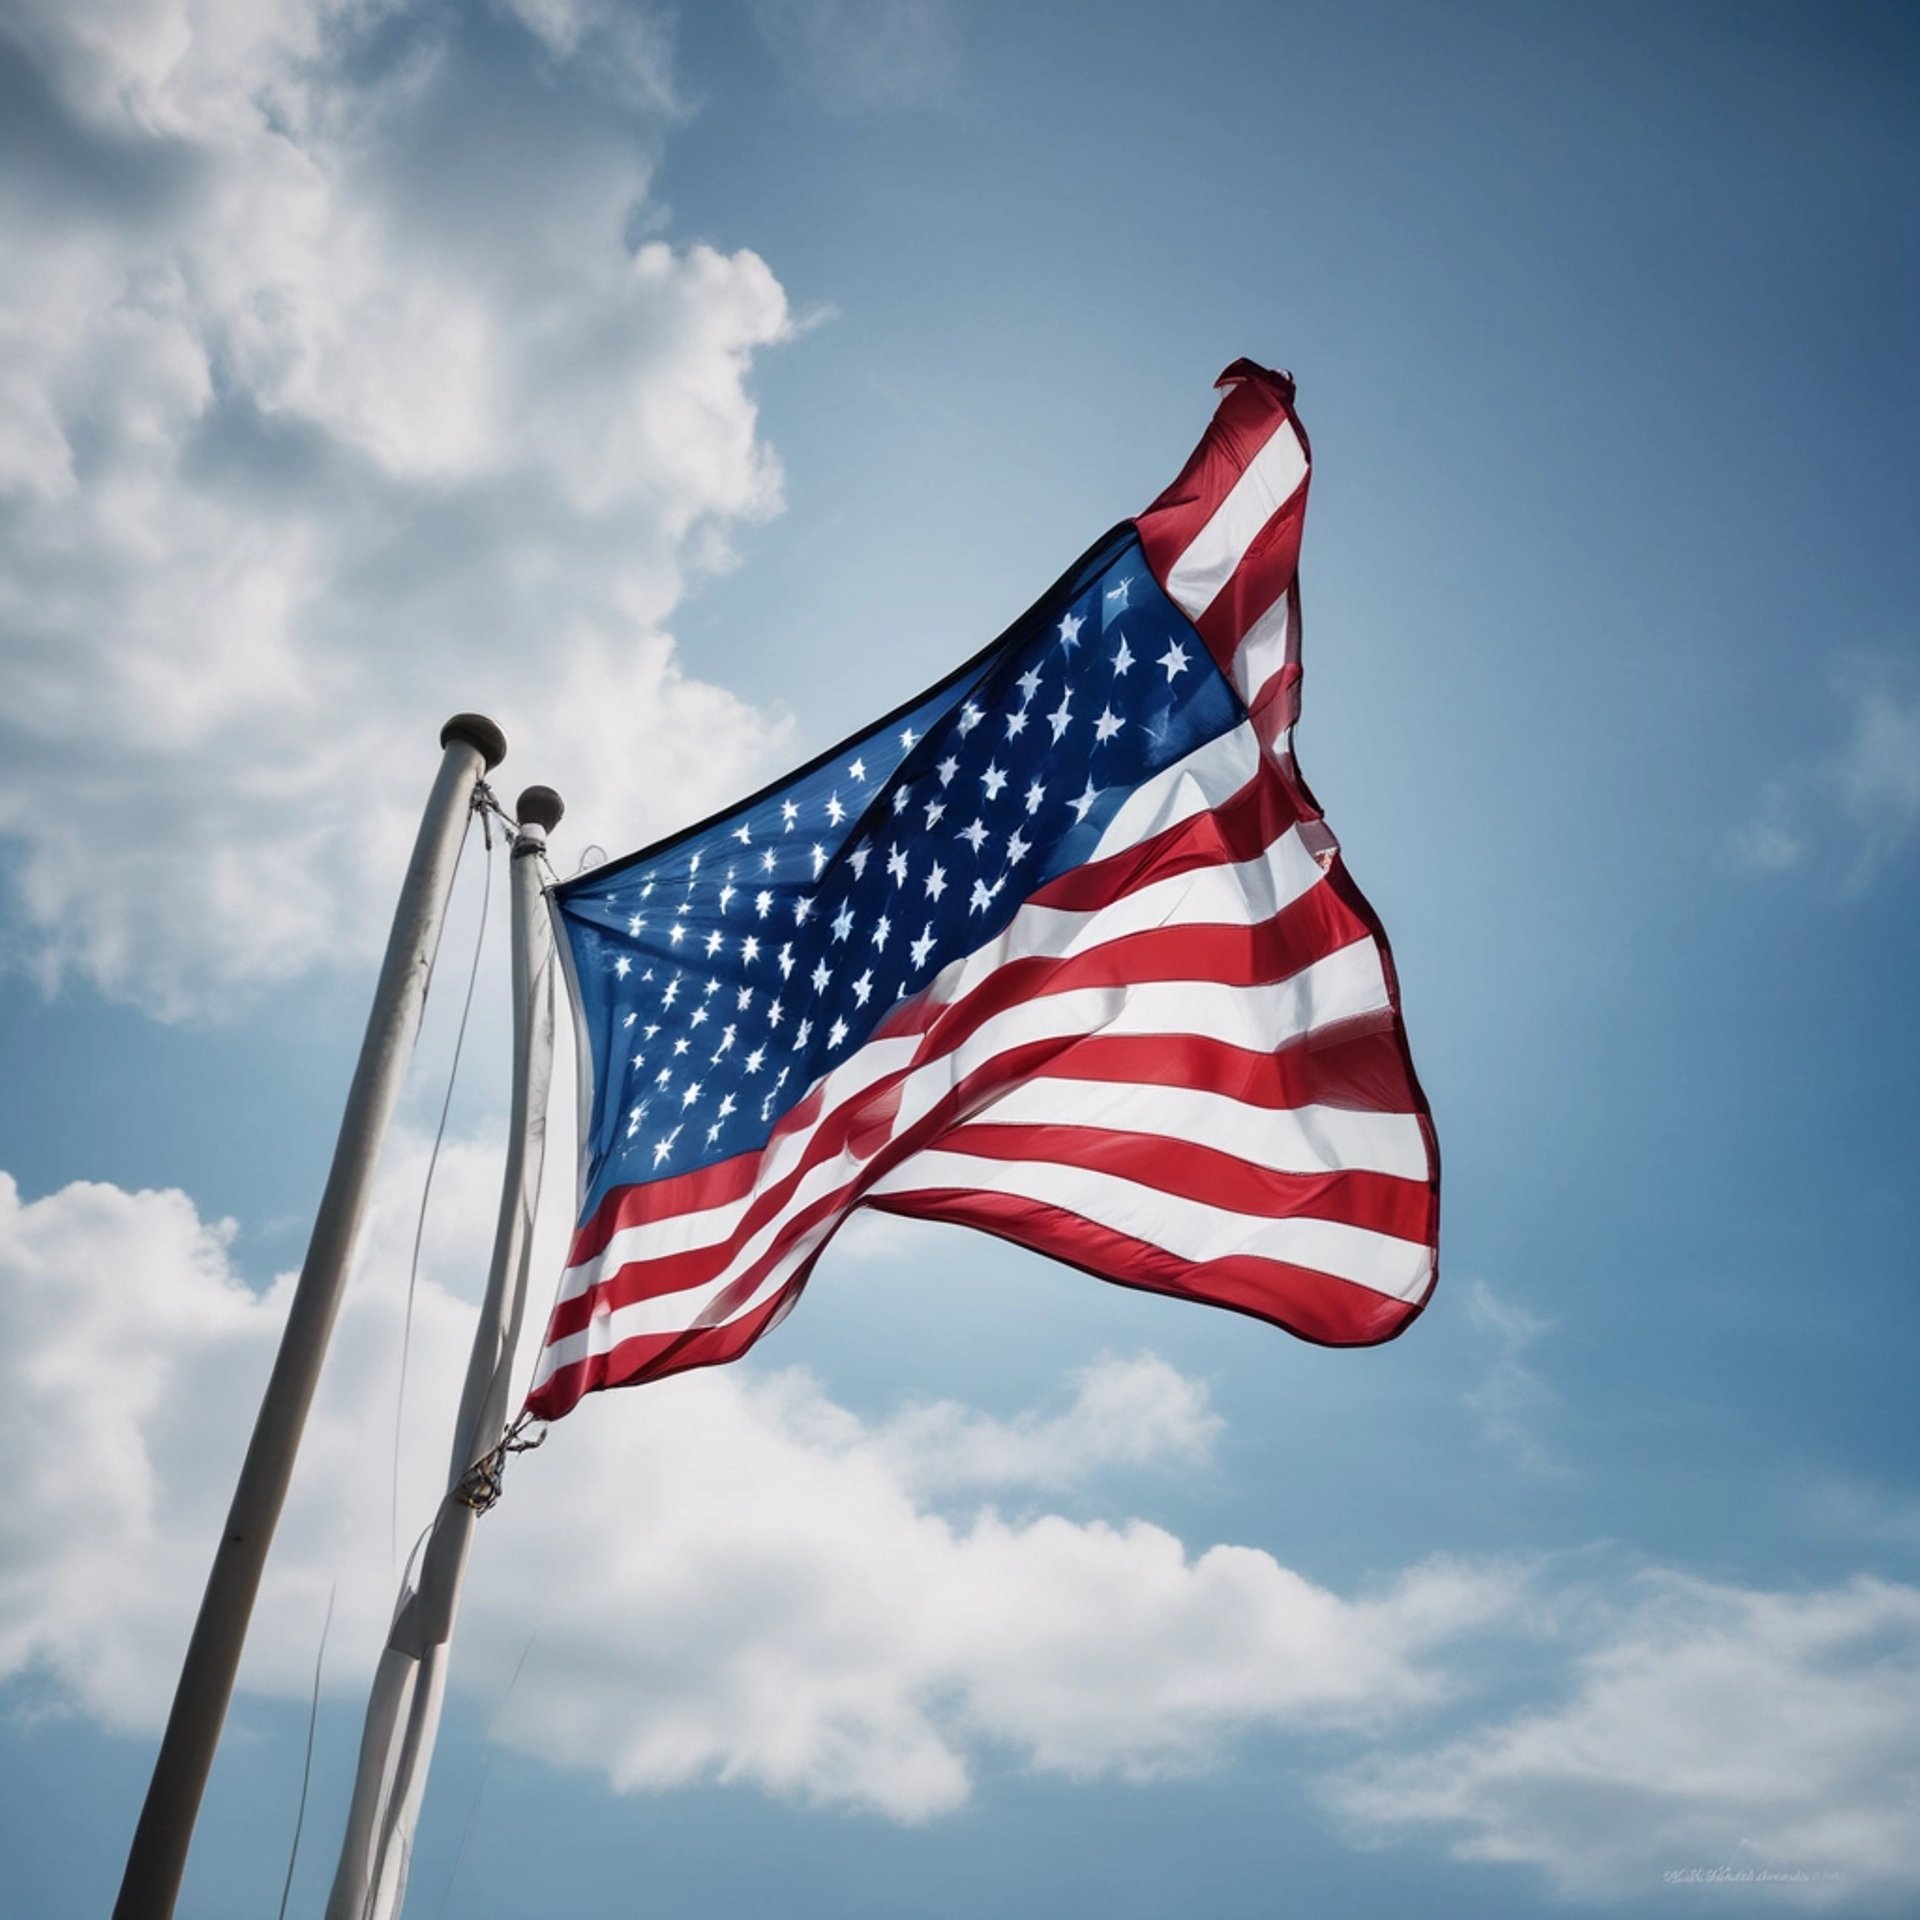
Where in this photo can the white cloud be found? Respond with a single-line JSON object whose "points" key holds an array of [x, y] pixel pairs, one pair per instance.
{"points": [[1124, 1413], [1509, 1399], [1775, 1736], [337, 400], [732, 1577], [1855, 807]]}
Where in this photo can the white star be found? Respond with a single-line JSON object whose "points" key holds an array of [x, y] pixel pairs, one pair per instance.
{"points": [[785, 958], [897, 866], [743, 1000], [715, 940], [819, 858], [629, 1020], [863, 987], [726, 893], [1084, 803], [802, 1034], [1060, 716], [982, 896], [661, 1078], [801, 908], [750, 949], [923, 946], [1174, 659], [820, 976], [1118, 595], [623, 966], [650, 1029], [1106, 726], [726, 1105], [1017, 848], [835, 811], [1070, 625], [664, 1147], [970, 717], [744, 834], [836, 1033], [789, 813], [689, 1095], [713, 1133], [843, 923], [858, 771], [935, 808], [975, 835], [672, 993], [881, 928], [763, 903], [901, 797], [1016, 722], [1035, 794], [680, 1047], [937, 881], [639, 1061], [726, 1039], [857, 859], [693, 867], [993, 780], [775, 1013], [1029, 683], [752, 1062], [699, 1017], [636, 922], [713, 987], [766, 860], [908, 739], [1123, 659], [947, 769]]}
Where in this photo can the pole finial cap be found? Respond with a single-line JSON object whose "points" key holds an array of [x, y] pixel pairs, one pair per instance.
{"points": [[478, 732], [539, 807]]}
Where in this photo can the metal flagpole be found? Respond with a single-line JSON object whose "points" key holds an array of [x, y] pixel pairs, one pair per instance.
{"points": [[409, 1686], [473, 744]]}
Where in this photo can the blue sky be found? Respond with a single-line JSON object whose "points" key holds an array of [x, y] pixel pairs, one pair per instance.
{"points": [[687, 390]]}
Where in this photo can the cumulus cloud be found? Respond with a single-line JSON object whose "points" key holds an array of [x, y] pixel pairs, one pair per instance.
{"points": [[340, 394], [733, 1578], [1854, 807], [1769, 1741]]}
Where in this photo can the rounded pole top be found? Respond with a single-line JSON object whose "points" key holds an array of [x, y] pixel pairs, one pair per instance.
{"points": [[478, 732], [540, 807]]}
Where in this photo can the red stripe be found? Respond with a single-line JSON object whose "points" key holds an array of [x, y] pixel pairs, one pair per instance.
{"points": [[652, 1356], [1380, 1202], [1258, 401], [1257, 584], [1317, 1306], [1242, 827]]}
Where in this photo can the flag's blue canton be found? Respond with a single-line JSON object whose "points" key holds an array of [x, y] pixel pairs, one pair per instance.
{"points": [[720, 974]]}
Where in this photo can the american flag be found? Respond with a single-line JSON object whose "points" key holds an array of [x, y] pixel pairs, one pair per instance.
{"points": [[1062, 950]]}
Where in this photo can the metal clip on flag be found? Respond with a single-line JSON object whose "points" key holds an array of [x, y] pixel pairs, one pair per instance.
{"points": [[1062, 950]]}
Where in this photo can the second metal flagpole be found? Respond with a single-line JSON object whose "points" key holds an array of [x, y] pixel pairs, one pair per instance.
{"points": [[403, 1710], [473, 744]]}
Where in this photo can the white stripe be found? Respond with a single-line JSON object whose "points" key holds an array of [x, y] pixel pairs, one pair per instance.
{"points": [[1206, 778], [1311, 1139], [1195, 579], [1264, 650], [1188, 1229]]}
